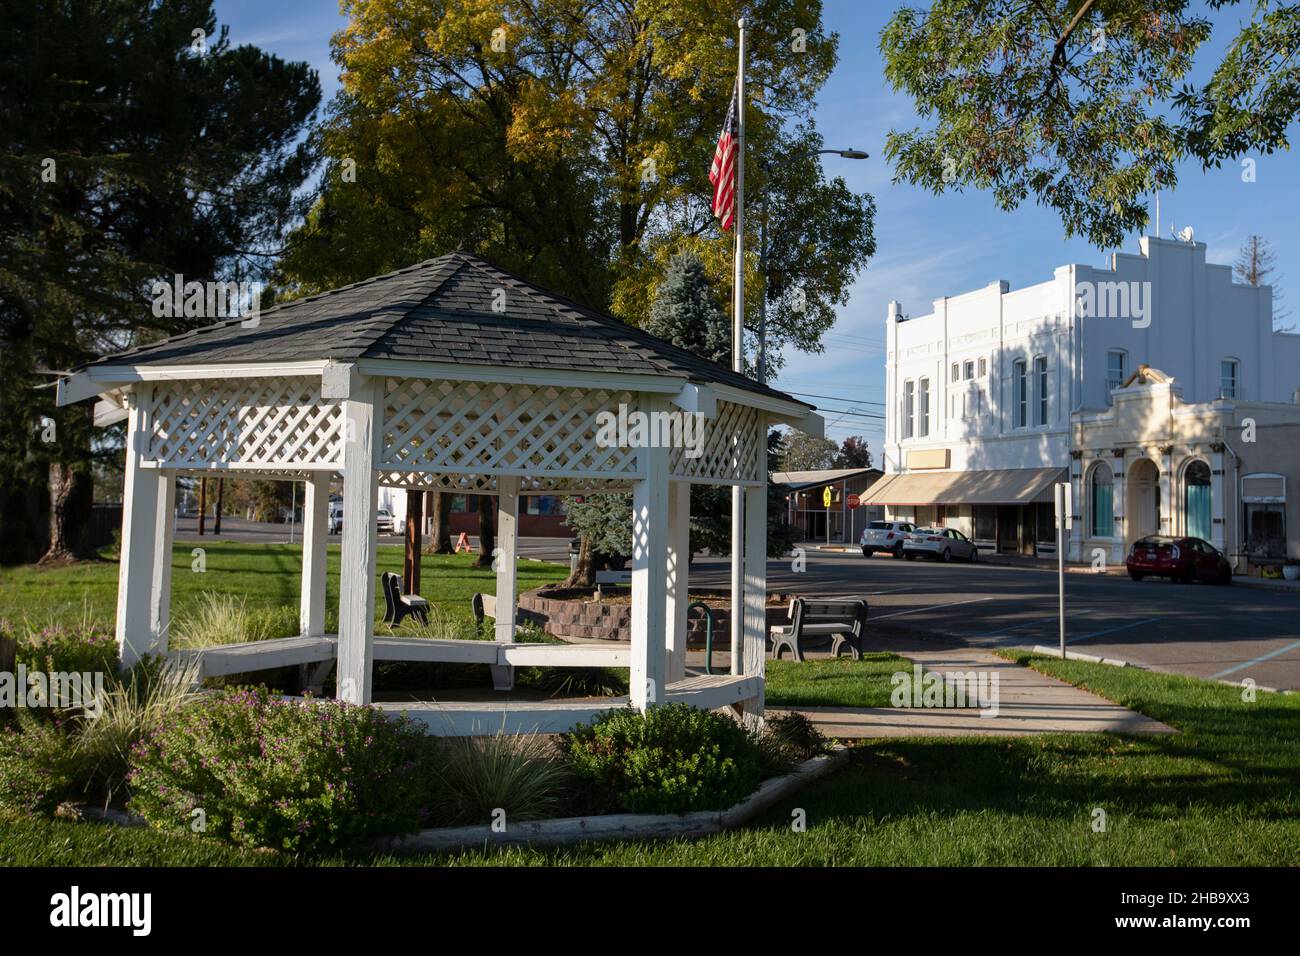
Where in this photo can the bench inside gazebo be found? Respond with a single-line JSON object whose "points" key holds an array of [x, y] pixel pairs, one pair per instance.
{"points": [[448, 375]]}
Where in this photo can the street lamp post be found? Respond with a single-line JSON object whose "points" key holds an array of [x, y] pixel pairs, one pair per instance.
{"points": [[762, 261]]}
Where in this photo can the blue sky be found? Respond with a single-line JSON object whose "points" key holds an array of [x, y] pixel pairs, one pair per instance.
{"points": [[927, 246]]}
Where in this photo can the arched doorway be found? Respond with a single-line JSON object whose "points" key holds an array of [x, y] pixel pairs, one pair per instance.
{"points": [[1197, 514], [1142, 500]]}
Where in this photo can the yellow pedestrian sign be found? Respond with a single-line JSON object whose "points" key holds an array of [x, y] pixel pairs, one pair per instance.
{"points": [[826, 496]]}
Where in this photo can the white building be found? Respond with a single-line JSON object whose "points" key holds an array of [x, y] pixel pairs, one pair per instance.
{"points": [[984, 389]]}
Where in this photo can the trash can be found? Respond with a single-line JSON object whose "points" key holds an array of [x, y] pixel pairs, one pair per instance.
{"points": [[575, 546]]}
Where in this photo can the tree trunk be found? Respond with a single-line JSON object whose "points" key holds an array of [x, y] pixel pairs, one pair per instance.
{"points": [[216, 512], [71, 496], [486, 535], [203, 505], [439, 505], [584, 575]]}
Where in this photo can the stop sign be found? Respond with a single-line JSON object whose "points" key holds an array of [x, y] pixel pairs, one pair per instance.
{"points": [[854, 501]]}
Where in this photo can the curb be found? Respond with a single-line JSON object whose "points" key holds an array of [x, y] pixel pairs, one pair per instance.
{"points": [[567, 831], [1078, 656]]}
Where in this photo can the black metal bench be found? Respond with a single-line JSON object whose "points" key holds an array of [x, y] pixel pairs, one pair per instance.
{"points": [[398, 605], [843, 623]]}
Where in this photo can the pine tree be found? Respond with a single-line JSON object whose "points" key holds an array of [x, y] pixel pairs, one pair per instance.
{"points": [[685, 311], [1255, 263]]}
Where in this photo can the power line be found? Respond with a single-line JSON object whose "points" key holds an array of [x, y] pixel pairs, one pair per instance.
{"points": [[837, 398]]}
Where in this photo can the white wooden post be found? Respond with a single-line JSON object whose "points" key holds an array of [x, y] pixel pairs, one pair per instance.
{"points": [[737, 577], [678, 584], [357, 569], [160, 599], [315, 529], [649, 576], [135, 579], [503, 676], [755, 650]]}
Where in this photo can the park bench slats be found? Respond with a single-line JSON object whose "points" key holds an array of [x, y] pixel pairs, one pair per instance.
{"points": [[844, 622]]}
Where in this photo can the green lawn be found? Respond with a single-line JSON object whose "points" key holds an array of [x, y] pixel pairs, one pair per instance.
{"points": [[834, 682], [1224, 791], [265, 575]]}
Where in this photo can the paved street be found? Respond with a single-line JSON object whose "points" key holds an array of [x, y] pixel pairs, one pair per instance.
{"points": [[1229, 633]]}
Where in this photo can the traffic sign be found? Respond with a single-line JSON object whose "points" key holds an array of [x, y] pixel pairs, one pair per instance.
{"points": [[854, 501], [826, 496]]}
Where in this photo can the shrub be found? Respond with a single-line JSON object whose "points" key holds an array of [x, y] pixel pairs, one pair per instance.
{"points": [[672, 759], [86, 648], [39, 765], [520, 774], [283, 774], [53, 755], [788, 740]]}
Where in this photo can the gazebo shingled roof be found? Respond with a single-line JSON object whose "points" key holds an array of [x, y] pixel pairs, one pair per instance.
{"points": [[440, 310]]}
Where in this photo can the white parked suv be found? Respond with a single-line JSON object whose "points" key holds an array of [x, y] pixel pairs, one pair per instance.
{"points": [[885, 536]]}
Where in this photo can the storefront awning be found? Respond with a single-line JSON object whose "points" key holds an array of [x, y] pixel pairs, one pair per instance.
{"points": [[1012, 486]]}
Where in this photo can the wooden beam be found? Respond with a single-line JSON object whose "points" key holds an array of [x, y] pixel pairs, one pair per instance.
{"points": [[755, 602], [316, 511], [160, 597], [135, 580], [678, 584], [507, 571], [413, 540], [650, 574], [362, 421]]}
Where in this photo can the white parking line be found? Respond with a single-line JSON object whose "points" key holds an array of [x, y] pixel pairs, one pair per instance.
{"points": [[931, 607], [1112, 630], [1258, 660]]}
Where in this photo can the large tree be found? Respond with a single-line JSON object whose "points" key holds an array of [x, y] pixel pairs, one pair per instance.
{"points": [[1086, 105], [570, 141], [137, 143], [1257, 265]]}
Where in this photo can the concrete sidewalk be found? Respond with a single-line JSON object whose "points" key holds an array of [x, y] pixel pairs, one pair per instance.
{"points": [[1028, 703]]}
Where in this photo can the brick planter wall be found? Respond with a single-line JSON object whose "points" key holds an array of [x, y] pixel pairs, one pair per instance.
{"points": [[565, 612]]}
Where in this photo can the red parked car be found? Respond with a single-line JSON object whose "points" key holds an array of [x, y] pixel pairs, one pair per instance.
{"points": [[1179, 559]]}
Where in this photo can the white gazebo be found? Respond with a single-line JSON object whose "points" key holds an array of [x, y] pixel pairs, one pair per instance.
{"points": [[451, 375]]}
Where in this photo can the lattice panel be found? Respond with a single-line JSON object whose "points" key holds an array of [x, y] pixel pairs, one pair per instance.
{"points": [[734, 443], [273, 423], [493, 428], [487, 485]]}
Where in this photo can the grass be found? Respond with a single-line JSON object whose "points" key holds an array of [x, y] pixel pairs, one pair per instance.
{"points": [[834, 682], [265, 578]]}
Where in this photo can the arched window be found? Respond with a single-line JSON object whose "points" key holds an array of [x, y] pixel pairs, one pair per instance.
{"points": [[1040, 388], [984, 366], [924, 419], [909, 408], [1196, 500], [1229, 378], [1020, 401], [1101, 498]]}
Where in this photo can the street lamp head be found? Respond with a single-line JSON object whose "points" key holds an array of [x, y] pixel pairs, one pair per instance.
{"points": [[852, 153]]}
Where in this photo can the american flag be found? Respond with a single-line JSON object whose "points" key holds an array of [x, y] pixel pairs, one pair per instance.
{"points": [[723, 171]]}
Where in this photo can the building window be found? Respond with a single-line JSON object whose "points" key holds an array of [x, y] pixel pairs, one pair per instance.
{"points": [[1228, 378], [909, 409], [984, 367], [924, 424], [956, 371], [1101, 498], [1116, 372], [1020, 382], [968, 371], [544, 505], [1196, 500], [1040, 382], [986, 522], [1265, 529]]}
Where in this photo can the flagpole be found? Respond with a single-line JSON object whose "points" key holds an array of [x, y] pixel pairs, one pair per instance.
{"points": [[738, 364]]}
